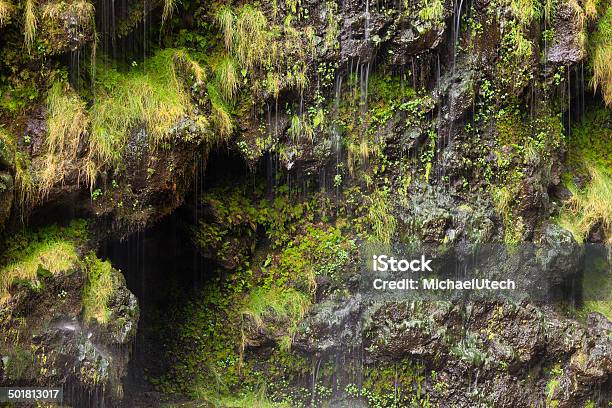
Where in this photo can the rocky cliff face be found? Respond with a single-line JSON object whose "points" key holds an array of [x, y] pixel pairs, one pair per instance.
{"points": [[450, 123]]}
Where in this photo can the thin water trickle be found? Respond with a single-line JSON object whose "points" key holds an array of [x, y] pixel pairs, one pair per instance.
{"points": [[367, 22], [457, 27], [569, 104], [315, 374], [413, 75], [582, 87]]}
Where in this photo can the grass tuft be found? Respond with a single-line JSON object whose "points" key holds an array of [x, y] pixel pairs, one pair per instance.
{"points": [[251, 36], [601, 51], [169, 6], [432, 11], [225, 18], [274, 303], [227, 78], [24, 182], [6, 9], [590, 8], [97, 291], [380, 217], [525, 11], [67, 122], [155, 98], [30, 24], [590, 206]]}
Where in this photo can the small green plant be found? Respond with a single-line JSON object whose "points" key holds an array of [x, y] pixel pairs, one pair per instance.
{"points": [[432, 10]]}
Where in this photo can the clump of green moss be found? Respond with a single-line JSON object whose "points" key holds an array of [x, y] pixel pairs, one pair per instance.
{"points": [[398, 383], [590, 143], [100, 284], [49, 250], [263, 304]]}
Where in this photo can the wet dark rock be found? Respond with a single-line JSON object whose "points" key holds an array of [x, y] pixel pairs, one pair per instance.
{"points": [[560, 192], [487, 347], [45, 342], [6, 196], [432, 216], [67, 27], [567, 46], [330, 326], [559, 252], [457, 90]]}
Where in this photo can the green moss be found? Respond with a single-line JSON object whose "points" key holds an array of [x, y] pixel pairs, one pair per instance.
{"points": [[19, 363], [552, 385], [100, 284], [590, 143], [317, 251], [263, 305], [590, 181], [393, 384], [49, 250]]}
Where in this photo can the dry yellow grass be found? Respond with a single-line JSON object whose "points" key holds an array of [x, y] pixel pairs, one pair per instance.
{"points": [[6, 10], [30, 24], [68, 122], [589, 207]]}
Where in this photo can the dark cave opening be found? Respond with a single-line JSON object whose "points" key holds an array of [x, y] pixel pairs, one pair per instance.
{"points": [[162, 269], [165, 270]]}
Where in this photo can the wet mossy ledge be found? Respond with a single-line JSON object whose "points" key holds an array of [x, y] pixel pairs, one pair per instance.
{"points": [[67, 316], [445, 122]]}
